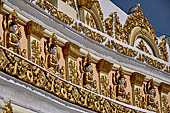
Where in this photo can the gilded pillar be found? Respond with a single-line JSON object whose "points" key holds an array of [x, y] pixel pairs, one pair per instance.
{"points": [[34, 32], [164, 89], [71, 53], [103, 68], [137, 80]]}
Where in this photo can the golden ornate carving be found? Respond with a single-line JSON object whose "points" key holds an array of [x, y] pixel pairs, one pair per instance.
{"points": [[165, 106], [150, 94], [93, 7], [137, 78], [86, 3], [71, 49], [87, 19], [40, 78], [33, 28], [76, 27], [72, 4], [142, 47], [153, 63], [164, 54], [52, 54], [120, 85], [8, 108], [53, 11], [118, 29], [140, 100], [74, 76], [92, 34], [138, 20], [109, 25], [104, 66], [36, 52], [164, 88], [92, 22], [105, 86], [12, 34], [123, 50], [87, 74]]}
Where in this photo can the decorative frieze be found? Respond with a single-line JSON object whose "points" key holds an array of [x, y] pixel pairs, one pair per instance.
{"points": [[138, 98], [40, 78]]}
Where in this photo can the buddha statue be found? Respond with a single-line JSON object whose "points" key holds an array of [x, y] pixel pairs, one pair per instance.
{"points": [[120, 85], [150, 94], [52, 55], [12, 32], [86, 70]]}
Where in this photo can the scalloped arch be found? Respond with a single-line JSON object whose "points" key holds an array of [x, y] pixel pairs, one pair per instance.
{"points": [[145, 35]]}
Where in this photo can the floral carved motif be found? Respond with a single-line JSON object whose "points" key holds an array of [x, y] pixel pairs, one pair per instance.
{"points": [[40, 78]]}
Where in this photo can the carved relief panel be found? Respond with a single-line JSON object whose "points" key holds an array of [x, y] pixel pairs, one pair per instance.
{"points": [[34, 33], [87, 76], [71, 53], [103, 68], [138, 98], [119, 86], [52, 56], [150, 93]]}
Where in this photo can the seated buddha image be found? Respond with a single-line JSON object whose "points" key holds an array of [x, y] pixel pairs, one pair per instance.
{"points": [[87, 75], [53, 64], [14, 37], [151, 98], [121, 94], [150, 92]]}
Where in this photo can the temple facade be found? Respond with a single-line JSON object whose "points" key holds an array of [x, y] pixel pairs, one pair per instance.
{"points": [[81, 56]]}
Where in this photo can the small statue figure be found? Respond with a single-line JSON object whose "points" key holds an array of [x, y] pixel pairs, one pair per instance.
{"points": [[150, 94], [120, 85], [86, 70], [52, 54], [12, 32]]}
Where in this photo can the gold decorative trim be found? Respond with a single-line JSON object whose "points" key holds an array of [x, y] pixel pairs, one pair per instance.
{"points": [[109, 25], [8, 107], [142, 47], [71, 50], [33, 28], [104, 66], [137, 79], [164, 87], [40, 78]]}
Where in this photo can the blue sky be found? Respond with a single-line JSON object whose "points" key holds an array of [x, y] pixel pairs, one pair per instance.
{"points": [[156, 11]]}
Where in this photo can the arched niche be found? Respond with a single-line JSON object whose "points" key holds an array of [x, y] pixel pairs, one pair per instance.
{"points": [[94, 10], [138, 32], [96, 16]]}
